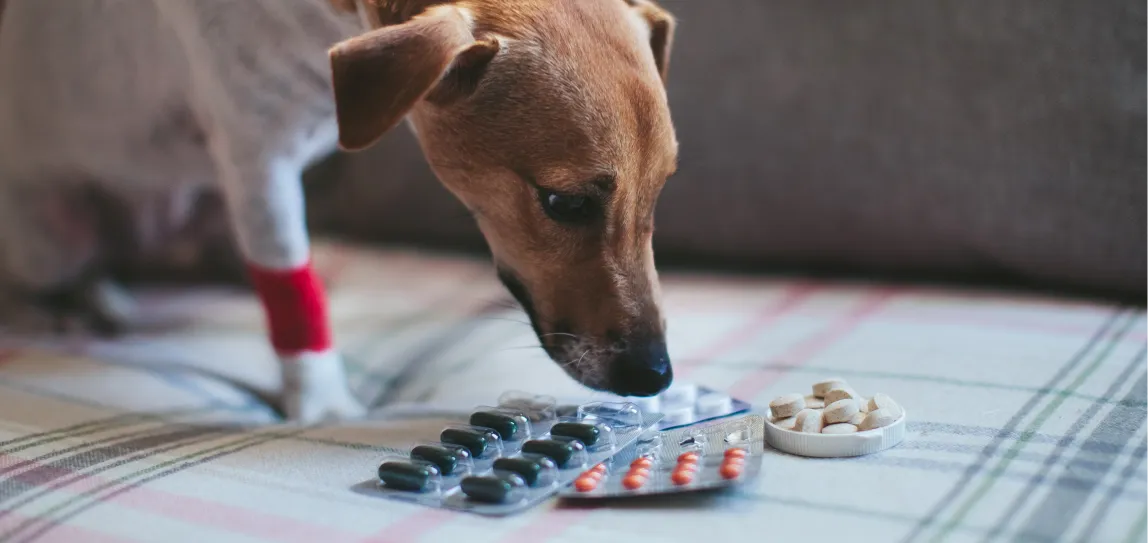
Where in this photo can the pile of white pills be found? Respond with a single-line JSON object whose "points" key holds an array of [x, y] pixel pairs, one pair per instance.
{"points": [[833, 408]]}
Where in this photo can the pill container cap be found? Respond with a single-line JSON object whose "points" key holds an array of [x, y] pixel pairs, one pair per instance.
{"points": [[621, 416], [836, 445]]}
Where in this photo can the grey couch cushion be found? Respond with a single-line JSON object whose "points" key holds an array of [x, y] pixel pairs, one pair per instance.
{"points": [[958, 137]]}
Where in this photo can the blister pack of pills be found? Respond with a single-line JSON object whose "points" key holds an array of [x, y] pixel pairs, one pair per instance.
{"points": [[510, 456], [709, 456], [685, 404]]}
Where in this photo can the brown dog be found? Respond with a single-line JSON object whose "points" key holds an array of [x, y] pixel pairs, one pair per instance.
{"points": [[547, 118], [559, 148]]}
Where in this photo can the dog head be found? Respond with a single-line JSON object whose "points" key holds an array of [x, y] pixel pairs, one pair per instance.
{"points": [[549, 120]]}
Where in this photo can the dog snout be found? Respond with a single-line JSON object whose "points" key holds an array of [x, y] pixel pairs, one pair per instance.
{"points": [[641, 369]]}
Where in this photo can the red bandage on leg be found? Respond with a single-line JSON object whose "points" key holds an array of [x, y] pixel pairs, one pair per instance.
{"points": [[296, 308]]}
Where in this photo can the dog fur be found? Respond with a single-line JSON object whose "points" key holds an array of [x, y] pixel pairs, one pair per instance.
{"points": [[530, 111]]}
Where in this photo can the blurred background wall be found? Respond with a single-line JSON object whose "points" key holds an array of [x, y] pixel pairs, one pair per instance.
{"points": [[951, 138]]}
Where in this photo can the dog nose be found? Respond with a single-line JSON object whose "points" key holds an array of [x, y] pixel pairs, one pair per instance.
{"points": [[642, 370]]}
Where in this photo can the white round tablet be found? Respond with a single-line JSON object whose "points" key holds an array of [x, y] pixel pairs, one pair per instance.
{"points": [[712, 404], [678, 415], [679, 395]]}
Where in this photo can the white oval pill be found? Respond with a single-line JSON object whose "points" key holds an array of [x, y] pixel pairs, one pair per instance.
{"points": [[813, 402], [820, 388], [787, 406], [786, 423], [841, 411], [809, 421], [862, 404], [840, 394], [877, 419], [713, 404], [680, 395], [678, 415], [840, 428], [883, 401], [857, 419]]}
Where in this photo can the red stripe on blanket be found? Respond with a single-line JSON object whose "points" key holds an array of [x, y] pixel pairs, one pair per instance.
{"points": [[296, 308], [757, 381]]}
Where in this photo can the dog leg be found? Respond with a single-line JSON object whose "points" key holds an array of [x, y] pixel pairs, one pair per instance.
{"points": [[265, 201]]}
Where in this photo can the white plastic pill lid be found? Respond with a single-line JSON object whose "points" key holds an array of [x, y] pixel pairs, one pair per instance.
{"points": [[836, 445]]}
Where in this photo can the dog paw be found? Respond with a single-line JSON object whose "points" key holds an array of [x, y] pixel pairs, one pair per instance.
{"points": [[99, 307], [315, 389]]}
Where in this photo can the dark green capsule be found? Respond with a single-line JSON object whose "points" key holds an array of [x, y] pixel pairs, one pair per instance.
{"points": [[473, 440], [406, 476], [446, 459], [488, 489], [528, 468], [505, 425], [586, 433], [558, 450]]}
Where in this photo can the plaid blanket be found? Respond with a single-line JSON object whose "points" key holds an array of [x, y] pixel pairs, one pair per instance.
{"points": [[1027, 414]]}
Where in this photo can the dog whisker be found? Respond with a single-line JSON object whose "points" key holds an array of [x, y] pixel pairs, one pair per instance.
{"points": [[566, 334]]}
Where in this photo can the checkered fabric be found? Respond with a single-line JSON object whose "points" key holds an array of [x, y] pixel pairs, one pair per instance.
{"points": [[1027, 415]]}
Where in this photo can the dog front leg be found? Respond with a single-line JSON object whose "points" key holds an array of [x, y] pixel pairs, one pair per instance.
{"points": [[265, 202]]}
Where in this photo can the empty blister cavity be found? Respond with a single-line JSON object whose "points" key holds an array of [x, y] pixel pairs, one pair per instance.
{"points": [[539, 408], [567, 453], [535, 469], [500, 488], [594, 434], [696, 443], [649, 448], [738, 437], [451, 460], [483, 443], [621, 416], [414, 476]]}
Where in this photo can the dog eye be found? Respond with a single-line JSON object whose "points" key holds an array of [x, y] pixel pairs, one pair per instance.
{"points": [[568, 208]]}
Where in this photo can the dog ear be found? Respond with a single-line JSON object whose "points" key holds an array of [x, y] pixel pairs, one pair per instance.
{"points": [[662, 26], [464, 74], [379, 76]]}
